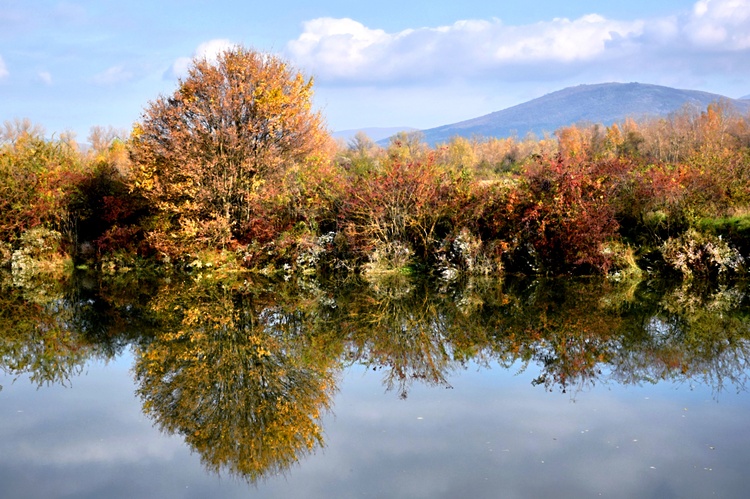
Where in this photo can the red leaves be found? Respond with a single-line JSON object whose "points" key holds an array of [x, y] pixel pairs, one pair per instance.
{"points": [[565, 215], [404, 202], [39, 180]]}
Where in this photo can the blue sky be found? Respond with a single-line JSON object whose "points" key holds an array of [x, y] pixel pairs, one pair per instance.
{"points": [[69, 65]]}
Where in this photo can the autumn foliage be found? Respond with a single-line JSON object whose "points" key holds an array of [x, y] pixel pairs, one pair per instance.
{"points": [[204, 154], [564, 215], [405, 207], [236, 162], [38, 182]]}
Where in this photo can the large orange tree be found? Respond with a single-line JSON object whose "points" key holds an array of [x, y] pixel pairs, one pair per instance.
{"points": [[202, 154]]}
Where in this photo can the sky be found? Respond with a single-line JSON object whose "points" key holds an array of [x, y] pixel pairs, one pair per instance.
{"points": [[70, 65]]}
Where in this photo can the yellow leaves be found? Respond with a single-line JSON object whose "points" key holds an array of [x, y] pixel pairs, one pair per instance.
{"points": [[240, 402], [137, 131], [460, 153], [256, 183], [260, 346], [614, 138], [211, 146], [143, 178], [192, 317], [189, 227], [187, 94]]}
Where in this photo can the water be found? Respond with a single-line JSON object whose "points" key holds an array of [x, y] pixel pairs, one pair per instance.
{"points": [[561, 389]]}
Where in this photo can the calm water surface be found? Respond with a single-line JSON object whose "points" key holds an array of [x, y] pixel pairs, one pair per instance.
{"points": [[523, 390]]}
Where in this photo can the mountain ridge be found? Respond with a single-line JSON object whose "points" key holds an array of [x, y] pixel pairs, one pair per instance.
{"points": [[604, 103]]}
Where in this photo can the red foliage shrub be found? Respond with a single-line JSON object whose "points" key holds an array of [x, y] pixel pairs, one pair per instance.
{"points": [[414, 204], [565, 215], [39, 181]]}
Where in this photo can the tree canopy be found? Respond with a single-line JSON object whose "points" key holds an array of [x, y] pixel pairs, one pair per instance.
{"points": [[202, 153]]}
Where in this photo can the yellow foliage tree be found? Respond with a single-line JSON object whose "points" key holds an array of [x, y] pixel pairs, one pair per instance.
{"points": [[461, 153], [201, 154]]}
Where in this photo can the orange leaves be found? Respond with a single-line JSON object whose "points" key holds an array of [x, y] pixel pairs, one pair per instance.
{"points": [[227, 372], [200, 153], [572, 142]]}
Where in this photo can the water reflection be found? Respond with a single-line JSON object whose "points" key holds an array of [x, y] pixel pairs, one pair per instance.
{"points": [[236, 377], [244, 372], [50, 330]]}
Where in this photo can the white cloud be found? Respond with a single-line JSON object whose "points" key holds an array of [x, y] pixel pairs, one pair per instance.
{"points": [[346, 51], [209, 50], [46, 77], [562, 40], [3, 69], [115, 74], [342, 46], [720, 24]]}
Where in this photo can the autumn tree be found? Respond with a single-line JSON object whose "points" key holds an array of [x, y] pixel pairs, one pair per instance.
{"points": [[202, 154], [407, 146], [399, 214], [362, 145], [566, 216], [20, 129], [459, 153], [360, 154]]}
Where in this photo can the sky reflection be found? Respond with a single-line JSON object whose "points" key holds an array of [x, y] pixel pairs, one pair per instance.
{"points": [[91, 439], [491, 435], [495, 436]]}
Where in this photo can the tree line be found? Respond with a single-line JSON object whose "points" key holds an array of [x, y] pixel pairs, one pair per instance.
{"points": [[236, 169]]}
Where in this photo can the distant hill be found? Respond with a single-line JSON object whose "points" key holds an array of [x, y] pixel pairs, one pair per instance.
{"points": [[374, 133], [604, 103], [745, 97]]}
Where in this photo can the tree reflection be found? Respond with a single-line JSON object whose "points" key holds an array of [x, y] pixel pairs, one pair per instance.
{"points": [[234, 374], [244, 372], [49, 330], [574, 333], [567, 328], [687, 333], [398, 327]]}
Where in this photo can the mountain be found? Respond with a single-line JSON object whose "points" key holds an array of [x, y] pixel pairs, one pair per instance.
{"points": [[745, 97], [604, 103], [374, 133]]}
